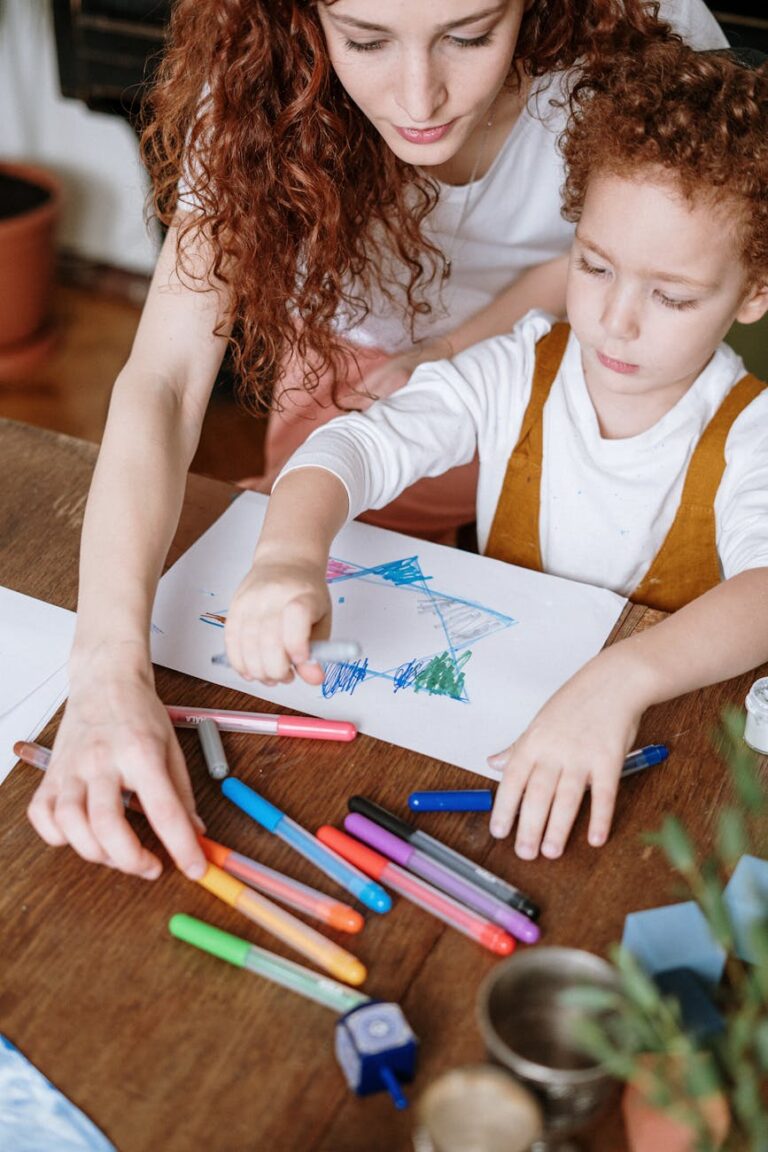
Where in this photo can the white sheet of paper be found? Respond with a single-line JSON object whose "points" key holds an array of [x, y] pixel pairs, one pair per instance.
{"points": [[35, 639], [459, 651]]}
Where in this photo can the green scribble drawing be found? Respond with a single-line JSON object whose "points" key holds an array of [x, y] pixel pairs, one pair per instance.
{"points": [[443, 676]]}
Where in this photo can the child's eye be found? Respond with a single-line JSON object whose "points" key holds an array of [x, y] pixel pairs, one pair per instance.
{"points": [[475, 42], [677, 305], [364, 45], [591, 269]]}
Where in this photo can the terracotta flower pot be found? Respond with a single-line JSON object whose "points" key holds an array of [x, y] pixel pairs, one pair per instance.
{"points": [[651, 1130], [29, 208]]}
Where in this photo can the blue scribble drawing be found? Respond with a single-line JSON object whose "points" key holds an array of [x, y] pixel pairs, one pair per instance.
{"points": [[462, 624]]}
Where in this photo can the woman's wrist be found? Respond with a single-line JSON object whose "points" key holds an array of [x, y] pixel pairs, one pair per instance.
{"points": [[108, 658]]}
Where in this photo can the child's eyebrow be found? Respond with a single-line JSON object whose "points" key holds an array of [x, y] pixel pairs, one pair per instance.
{"points": [[651, 273]]}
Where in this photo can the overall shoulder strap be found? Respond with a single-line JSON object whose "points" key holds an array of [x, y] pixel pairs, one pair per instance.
{"points": [[687, 564], [514, 534]]}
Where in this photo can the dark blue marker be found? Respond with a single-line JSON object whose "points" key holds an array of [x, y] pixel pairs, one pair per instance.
{"points": [[481, 799], [456, 800]]}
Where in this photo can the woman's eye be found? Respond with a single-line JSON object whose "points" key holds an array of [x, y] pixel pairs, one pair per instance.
{"points": [[363, 45], [475, 42]]}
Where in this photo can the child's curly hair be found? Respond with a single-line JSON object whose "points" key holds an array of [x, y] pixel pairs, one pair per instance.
{"points": [[699, 117], [288, 177]]}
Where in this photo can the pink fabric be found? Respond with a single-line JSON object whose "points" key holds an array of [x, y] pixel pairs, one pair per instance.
{"points": [[432, 509]]}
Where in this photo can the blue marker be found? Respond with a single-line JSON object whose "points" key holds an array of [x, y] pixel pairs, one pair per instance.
{"points": [[455, 800], [644, 758], [367, 891], [481, 799]]}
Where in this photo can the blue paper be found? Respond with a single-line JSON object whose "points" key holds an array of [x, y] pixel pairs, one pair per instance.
{"points": [[35, 1116]]}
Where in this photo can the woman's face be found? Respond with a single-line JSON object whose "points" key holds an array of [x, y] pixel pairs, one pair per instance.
{"points": [[424, 72]]}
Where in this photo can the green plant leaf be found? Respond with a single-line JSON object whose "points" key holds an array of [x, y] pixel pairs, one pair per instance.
{"points": [[732, 838], [701, 1075], [742, 762], [590, 998], [676, 844], [760, 1041]]}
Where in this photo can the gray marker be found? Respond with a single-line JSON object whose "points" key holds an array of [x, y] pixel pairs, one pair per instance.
{"points": [[320, 652], [213, 750]]}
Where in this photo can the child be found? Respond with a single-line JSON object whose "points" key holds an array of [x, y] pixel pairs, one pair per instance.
{"points": [[630, 452]]}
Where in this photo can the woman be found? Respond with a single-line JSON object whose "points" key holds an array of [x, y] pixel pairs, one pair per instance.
{"points": [[337, 189]]}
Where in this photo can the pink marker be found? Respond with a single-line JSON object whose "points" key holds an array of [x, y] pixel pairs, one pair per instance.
{"points": [[463, 919], [265, 723]]}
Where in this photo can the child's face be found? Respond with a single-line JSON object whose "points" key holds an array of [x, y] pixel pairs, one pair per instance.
{"points": [[654, 284]]}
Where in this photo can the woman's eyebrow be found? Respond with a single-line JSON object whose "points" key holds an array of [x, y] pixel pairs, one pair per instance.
{"points": [[366, 26]]}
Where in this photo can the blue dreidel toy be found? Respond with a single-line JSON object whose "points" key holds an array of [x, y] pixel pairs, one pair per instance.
{"points": [[376, 1049]]}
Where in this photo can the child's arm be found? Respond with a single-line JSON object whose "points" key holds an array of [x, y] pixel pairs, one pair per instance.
{"points": [[284, 600], [115, 734], [581, 735]]}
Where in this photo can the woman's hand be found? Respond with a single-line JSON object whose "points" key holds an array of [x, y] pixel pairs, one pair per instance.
{"points": [[280, 605], [397, 371], [577, 741], [116, 736]]}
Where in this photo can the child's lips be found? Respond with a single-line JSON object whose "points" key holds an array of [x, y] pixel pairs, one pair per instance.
{"points": [[621, 366]]}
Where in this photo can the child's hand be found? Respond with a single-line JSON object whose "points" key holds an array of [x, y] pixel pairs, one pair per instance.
{"points": [[115, 736], [579, 739], [276, 610]]}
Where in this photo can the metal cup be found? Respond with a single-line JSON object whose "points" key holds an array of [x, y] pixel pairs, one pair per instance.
{"points": [[529, 1030]]}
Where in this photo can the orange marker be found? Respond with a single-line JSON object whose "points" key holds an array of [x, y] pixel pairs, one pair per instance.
{"points": [[283, 888], [295, 933]]}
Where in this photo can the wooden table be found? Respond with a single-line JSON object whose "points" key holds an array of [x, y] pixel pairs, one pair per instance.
{"points": [[169, 1050]]}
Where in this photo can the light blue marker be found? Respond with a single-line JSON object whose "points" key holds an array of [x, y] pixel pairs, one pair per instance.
{"points": [[367, 891]]}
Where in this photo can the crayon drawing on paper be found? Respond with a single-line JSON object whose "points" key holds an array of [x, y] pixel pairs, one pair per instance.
{"points": [[458, 652], [458, 624]]}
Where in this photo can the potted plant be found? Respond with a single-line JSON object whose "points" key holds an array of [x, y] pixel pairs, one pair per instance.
{"points": [[682, 1092], [29, 208]]}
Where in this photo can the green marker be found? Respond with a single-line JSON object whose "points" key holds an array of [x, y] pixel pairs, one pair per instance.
{"points": [[331, 994]]}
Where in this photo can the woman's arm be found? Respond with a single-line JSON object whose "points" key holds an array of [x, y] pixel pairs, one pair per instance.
{"points": [[580, 737], [115, 734]]}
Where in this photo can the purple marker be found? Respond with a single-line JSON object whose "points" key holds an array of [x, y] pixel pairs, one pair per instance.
{"points": [[443, 878]]}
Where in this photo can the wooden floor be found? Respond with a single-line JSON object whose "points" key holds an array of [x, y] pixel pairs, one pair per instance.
{"points": [[70, 392]]}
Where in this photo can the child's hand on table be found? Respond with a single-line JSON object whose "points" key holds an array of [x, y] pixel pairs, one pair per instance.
{"points": [[579, 739], [115, 735], [280, 606]]}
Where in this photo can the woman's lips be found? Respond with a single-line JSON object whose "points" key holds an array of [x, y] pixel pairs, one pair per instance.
{"points": [[425, 135], [617, 365]]}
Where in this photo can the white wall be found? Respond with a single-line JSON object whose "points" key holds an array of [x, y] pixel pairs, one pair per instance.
{"points": [[95, 155]]}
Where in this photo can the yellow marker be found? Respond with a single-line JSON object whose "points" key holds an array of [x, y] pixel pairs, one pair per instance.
{"points": [[292, 931]]}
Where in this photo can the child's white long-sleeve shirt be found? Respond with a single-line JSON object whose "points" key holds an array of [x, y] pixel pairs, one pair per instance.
{"points": [[606, 505]]}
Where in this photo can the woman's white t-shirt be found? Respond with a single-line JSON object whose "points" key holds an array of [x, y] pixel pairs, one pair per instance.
{"points": [[606, 505], [508, 221]]}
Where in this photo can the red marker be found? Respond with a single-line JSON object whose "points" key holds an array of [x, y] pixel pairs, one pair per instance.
{"points": [[418, 891]]}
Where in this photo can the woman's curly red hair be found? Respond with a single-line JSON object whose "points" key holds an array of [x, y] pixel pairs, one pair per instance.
{"points": [[698, 119], [288, 177]]}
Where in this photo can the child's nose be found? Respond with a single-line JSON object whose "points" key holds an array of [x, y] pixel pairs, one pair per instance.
{"points": [[621, 316]]}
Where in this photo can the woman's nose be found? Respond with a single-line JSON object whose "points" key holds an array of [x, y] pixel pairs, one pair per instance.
{"points": [[422, 91]]}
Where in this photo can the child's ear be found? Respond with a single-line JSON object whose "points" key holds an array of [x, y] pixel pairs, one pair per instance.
{"points": [[755, 304]]}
